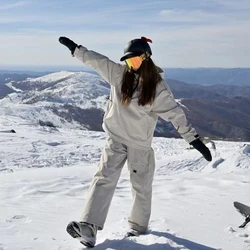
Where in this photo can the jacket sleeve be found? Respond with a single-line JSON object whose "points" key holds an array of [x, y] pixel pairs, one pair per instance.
{"points": [[168, 109], [110, 71]]}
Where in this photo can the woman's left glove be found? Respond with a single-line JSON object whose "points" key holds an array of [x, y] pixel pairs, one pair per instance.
{"points": [[68, 43], [200, 146]]}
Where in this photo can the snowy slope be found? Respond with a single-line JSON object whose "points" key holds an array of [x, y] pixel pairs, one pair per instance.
{"points": [[65, 99], [79, 88], [60, 98], [45, 174]]}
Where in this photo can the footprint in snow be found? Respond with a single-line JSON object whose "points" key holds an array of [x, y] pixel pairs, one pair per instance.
{"points": [[217, 163], [231, 230], [19, 218], [243, 235]]}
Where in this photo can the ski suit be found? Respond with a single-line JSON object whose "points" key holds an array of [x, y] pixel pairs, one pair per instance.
{"points": [[130, 132]]}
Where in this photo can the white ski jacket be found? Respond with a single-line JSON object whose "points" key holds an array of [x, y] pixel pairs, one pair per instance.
{"points": [[134, 125]]}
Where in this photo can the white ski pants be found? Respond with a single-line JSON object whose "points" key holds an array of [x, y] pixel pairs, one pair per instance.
{"points": [[141, 164]]}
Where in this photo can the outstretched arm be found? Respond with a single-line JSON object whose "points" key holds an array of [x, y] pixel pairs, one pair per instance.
{"points": [[109, 70], [168, 109]]}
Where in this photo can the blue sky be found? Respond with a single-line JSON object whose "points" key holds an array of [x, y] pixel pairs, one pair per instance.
{"points": [[185, 33]]}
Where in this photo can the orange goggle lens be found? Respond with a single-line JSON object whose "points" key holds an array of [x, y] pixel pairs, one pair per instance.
{"points": [[134, 62]]}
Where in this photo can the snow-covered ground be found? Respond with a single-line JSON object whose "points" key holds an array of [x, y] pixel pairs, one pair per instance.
{"points": [[45, 174], [60, 98]]}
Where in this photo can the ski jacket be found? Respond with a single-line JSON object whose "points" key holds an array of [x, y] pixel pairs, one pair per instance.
{"points": [[134, 125]]}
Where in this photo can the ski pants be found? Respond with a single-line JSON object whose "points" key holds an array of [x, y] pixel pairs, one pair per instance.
{"points": [[141, 165]]}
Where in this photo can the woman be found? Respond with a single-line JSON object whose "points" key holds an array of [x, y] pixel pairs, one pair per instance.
{"points": [[138, 96]]}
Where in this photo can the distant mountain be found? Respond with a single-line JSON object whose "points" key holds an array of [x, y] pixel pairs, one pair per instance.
{"points": [[210, 76], [5, 90], [184, 90], [78, 100], [9, 76], [65, 99], [216, 111], [213, 92], [71, 99], [230, 90], [229, 119]]}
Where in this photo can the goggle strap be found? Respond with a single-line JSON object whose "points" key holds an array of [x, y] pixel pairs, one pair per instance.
{"points": [[145, 55]]}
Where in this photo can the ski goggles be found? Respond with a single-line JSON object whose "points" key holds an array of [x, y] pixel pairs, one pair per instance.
{"points": [[134, 62]]}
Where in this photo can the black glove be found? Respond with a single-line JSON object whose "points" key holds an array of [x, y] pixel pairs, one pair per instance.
{"points": [[200, 146], [68, 43]]}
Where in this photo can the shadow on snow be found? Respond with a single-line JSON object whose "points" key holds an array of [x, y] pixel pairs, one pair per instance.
{"points": [[132, 244]]}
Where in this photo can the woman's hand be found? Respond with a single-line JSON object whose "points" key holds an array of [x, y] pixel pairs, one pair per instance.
{"points": [[200, 146], [68, 43]]}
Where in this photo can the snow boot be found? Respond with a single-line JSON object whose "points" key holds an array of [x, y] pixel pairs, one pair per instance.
{"points": [[132, 232], [84, 232]]}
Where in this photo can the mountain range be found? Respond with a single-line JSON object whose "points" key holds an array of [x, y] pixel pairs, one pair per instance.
{"points": [[216, 111], [210, 76], [78, 100]]}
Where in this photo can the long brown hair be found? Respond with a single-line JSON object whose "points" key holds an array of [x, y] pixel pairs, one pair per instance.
{"points": [[149, 78]]}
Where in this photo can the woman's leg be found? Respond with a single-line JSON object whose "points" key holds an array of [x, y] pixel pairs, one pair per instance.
{"points": [[141, 164], [104, 182]]}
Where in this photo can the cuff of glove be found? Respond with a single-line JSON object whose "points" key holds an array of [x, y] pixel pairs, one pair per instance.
{"points": [[191, 138], [194, 139], [79, 53], [73, 51]]}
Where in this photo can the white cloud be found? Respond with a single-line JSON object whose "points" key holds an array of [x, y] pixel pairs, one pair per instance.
{"points": [[180, 37], [199, 46], [13, 5], [5, 20], [186, 16], [235, 5]]}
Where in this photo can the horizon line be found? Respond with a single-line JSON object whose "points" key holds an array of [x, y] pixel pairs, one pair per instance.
{"points": [[74, 67]]}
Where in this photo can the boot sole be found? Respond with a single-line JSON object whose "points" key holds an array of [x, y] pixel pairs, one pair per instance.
{"points": [[132, 235], [71, 231]]}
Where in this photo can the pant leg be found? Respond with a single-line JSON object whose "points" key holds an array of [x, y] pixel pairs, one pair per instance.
{"points": [[141, 164], [104, 183]]}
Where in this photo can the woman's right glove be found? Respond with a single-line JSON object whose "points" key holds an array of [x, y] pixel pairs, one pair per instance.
{"points": [[200, 146], [68, 43]]}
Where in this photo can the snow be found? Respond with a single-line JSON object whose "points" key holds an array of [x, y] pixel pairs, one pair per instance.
{"points": [[81, 88], [45, 174], [40, 98], [52, 77]]}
